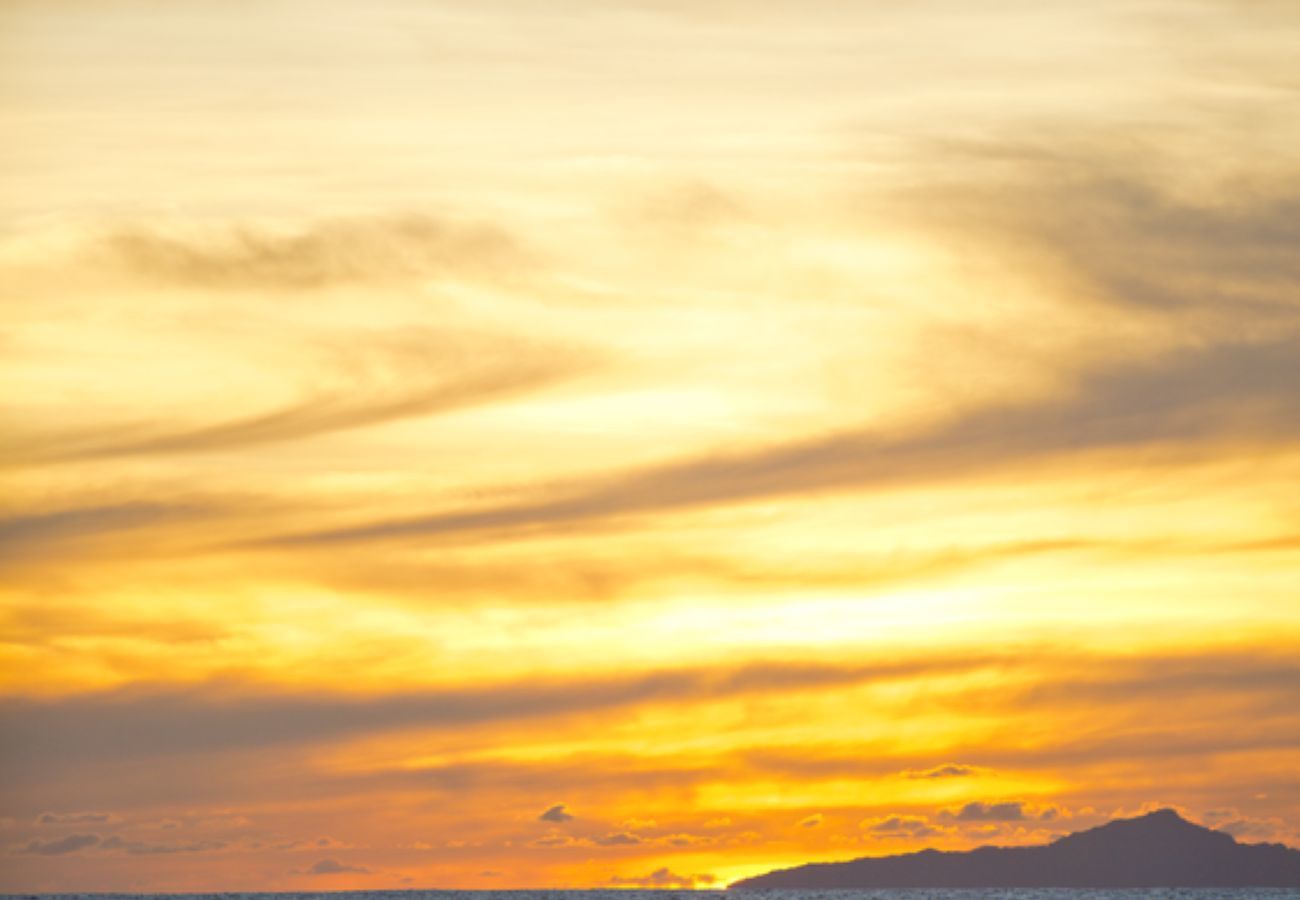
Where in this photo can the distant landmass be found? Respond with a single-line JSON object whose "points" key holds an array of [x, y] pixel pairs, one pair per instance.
{"points": [[1160, 849]]}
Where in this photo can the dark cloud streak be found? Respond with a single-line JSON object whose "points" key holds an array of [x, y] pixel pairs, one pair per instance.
{"points": [[142, 729], [137, 722], [1239, 391], [20, 534]]}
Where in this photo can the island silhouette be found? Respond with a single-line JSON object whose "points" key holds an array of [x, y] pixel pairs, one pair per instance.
{"points": [[1159, 849]]}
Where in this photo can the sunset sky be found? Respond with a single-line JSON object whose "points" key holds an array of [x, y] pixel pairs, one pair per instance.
{"points": [[505, 443]]}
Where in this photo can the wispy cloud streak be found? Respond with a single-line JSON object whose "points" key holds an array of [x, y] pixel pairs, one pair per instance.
{"points": [[388, 378], [329, 253], [1235, 392]]}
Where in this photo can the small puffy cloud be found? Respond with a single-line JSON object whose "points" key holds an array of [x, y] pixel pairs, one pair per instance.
{"points": [[619, 839], [811, 821], [334, 867], [556, 813], [664, 878], [72, 843], [899, 827], [988, 812], [948, 770], [77, 818]]}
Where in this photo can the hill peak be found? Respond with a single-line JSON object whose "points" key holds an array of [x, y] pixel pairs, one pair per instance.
{"points": [[1164, 813], [1156, 849], [1158, 829], [1160, 818]]}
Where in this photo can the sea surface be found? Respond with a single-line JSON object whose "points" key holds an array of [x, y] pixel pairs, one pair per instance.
{"points": [[661, 894]]}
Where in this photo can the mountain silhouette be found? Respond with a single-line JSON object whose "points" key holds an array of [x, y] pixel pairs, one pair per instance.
{"points": [[1160, 849]]}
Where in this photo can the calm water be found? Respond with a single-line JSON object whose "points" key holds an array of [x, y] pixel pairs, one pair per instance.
{"points": [[890, 894]]}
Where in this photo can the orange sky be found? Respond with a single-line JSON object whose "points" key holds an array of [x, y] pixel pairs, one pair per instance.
{"points": [[503, 443]]}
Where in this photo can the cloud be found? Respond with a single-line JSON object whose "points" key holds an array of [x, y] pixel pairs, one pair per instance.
{"points": [[899, 827], [555, 839], [553, 576], [812, 821], [1244, 827], [1138, 245], [36, 626], [92, 751], [71, 843], [144, 848], [1134, 242], [378, 377], [143, 722], [619, 839], [321, 255], [1178, 675], [20, 535], [664, 878], [334, 867], [1239, 391], [685, 840], [950, 770], [556, 813], [316, 844], [125, 747], [1125, 226], [988, 812], [69, 818], [610, 773]]}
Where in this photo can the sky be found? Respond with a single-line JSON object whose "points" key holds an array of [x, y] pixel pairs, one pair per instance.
{"points": [[503, 443]]}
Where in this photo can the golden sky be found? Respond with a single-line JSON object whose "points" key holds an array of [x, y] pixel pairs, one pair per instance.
{"points": [[501, 443]]}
